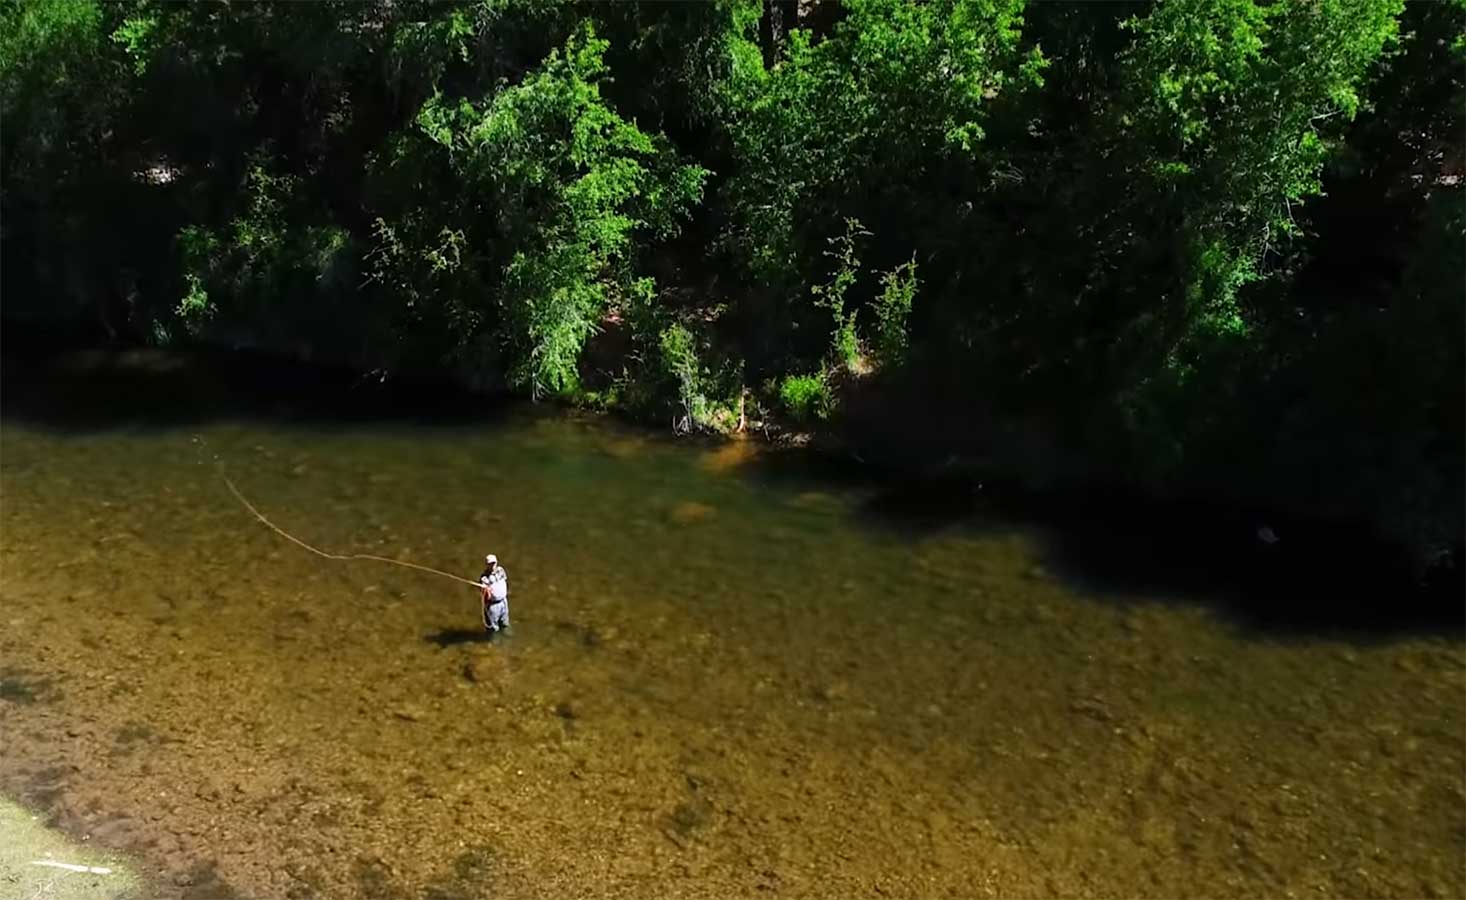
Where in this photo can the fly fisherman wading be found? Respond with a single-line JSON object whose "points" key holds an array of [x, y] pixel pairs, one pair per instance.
{"points": [[494, 587]]}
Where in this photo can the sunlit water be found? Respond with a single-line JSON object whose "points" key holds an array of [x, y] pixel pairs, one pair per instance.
{"points": [[719, 683]]}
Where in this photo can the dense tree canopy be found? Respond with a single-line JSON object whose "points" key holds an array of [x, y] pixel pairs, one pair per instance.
{"points": [[1202, 245]]}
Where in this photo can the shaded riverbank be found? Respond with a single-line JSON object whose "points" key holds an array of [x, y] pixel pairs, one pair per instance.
{"points": [[728, 676], [1105, 535]]}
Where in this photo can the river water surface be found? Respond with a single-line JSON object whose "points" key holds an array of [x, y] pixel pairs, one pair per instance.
{"points": [[721, 682]]}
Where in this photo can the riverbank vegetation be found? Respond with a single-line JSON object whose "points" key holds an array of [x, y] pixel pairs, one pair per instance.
{"points": [[1200, 247]]}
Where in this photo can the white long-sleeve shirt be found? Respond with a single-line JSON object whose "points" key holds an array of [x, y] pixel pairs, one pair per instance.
{"points": [[498, 584]]}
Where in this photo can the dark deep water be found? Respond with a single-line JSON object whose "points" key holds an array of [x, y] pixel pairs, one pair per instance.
{"points": [[732, 672]]}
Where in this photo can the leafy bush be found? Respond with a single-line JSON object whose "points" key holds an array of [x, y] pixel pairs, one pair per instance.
{"points": [[893, 308], [851, 123], [251, 271], [559, 185], [678, 357], [844, 342], [806, 397], [508, 219]]}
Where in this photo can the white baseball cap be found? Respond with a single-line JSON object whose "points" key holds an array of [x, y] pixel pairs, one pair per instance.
{"points": [[491, 559]]}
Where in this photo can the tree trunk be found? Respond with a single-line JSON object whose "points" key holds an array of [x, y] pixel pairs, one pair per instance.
{"points": [[819, 17], [773, 29], [768, 33]]}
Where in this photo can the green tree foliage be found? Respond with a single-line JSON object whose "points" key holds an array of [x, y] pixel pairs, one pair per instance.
{"points": [[570, 183], [1211, 246], [1231, 99], [686, 58], [851, 124], [1356, 387], [60, 101]]}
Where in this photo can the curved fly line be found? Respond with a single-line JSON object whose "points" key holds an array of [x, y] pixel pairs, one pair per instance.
{"points": [[343, 557]]}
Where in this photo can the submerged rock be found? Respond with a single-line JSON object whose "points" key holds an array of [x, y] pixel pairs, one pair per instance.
{"points": [[594, 636], [1094, 708], [691, 511], [730, 456], [407, 713], [623, 448], [814, 500], [686, 818], [483, 668], [829, 693]]}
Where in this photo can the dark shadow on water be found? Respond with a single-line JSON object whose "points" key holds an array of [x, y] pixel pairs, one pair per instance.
{"points": [[1319, 578], [51, 383], [925, 505], [1316, 578], [798, 469], [453, 637]]}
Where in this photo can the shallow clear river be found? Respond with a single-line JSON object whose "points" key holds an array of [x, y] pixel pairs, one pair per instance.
{"points": [[723, 680]]}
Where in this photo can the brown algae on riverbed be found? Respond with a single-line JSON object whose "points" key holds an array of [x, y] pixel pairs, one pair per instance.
{"points": [[716, 686]]}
